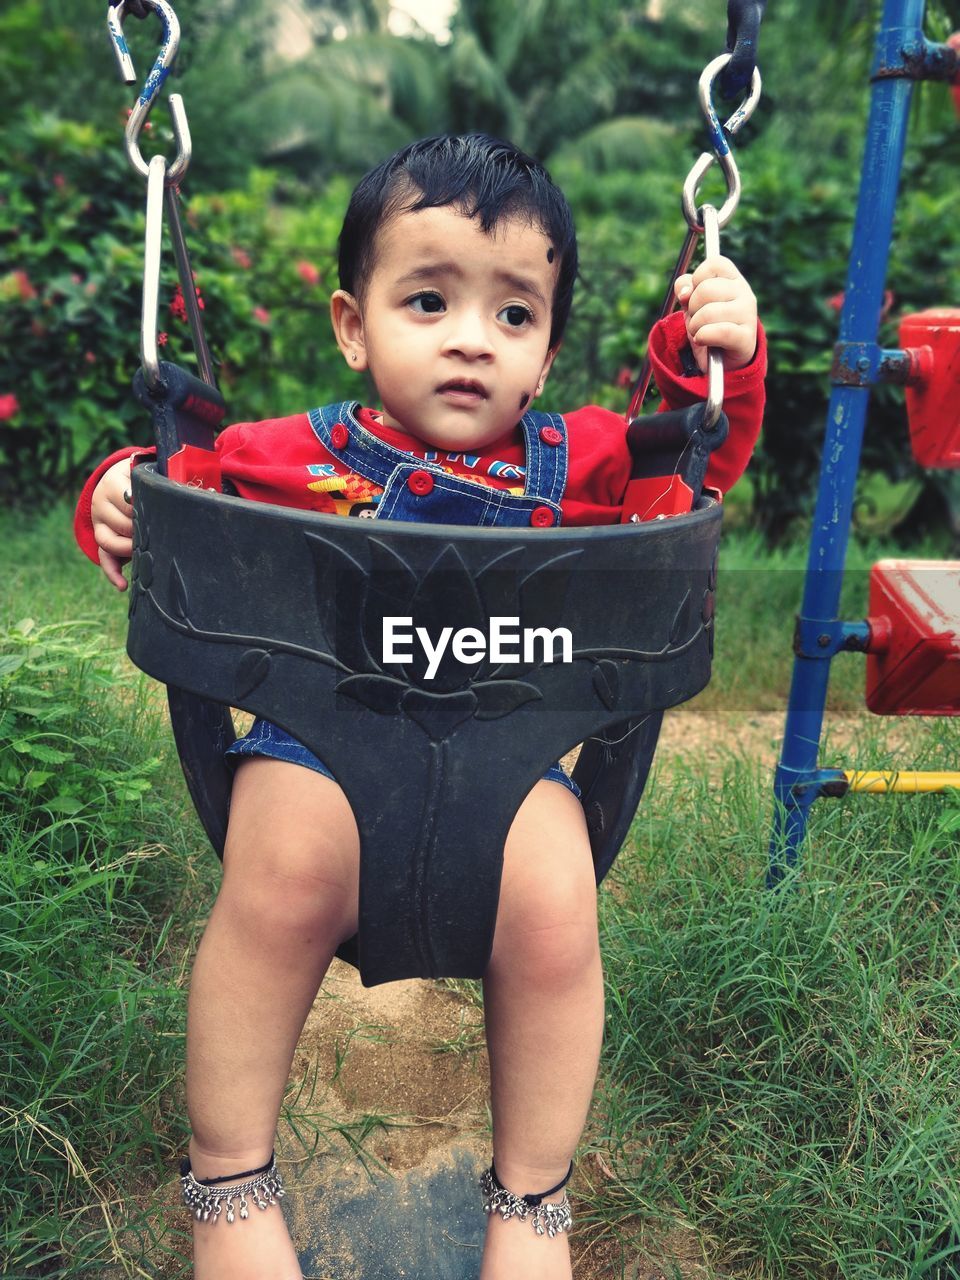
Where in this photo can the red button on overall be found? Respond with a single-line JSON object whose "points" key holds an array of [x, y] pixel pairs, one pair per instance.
{"points": [[420, 483], [550, 435], [339, 436], [542, 517]]}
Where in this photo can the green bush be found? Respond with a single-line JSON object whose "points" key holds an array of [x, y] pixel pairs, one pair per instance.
{"points": [[71, 233], [71, 256]]}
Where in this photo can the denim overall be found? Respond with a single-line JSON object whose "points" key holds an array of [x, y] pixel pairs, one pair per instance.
{"points": [[422, 492]]}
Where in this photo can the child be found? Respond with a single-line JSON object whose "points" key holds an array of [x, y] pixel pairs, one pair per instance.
{"points": [[457, 264]]}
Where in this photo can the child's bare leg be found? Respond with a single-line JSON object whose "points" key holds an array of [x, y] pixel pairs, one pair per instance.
{"points": [[288, 898], [543, 1000]]}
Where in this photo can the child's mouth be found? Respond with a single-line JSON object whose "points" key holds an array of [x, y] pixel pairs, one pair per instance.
{"points": [[463, 390]]}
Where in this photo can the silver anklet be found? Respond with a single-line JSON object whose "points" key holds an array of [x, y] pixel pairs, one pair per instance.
{"points": [[547, 1219], [206, 1199]]}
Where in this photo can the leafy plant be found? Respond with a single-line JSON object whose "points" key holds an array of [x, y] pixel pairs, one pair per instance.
{"points": [[55, 752]]}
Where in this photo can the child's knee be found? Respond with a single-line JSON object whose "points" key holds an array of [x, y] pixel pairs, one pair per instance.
{"points": [[549, 945], [547, 917], [289, 898], [291, 863]]}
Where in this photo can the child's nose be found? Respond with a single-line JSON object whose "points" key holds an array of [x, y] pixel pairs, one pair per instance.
{"points": [[469, 335]]}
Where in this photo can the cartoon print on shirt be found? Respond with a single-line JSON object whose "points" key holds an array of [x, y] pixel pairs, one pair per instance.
{"points": [[351, 493], [507, 471], [354, 495]]}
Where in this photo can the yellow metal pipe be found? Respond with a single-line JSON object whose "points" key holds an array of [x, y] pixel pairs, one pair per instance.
{"points": [[882, 782]]}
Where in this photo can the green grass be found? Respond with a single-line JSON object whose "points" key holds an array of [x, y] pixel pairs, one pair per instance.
{"points": [[781, 1071], [96, 869]]}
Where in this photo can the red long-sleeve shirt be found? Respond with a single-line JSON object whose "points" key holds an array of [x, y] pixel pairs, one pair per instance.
{"points": [[281, 460]]}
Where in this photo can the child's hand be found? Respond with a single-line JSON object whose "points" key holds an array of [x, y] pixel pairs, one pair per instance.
{"points": [[720, 311], [112, 517]]}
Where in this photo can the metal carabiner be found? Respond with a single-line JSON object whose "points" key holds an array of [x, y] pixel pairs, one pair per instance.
{"points": [[152, 249], [719, 135], [711, 249], [152, 86], [159, 195]]}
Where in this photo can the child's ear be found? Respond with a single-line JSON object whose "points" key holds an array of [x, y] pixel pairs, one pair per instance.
{"points": [[348, 328], [548, 361]]}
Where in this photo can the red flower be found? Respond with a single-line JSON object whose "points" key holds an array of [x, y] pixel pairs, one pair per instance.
{"points": [[59, 181], [261, 314], [24, 286], [241, 258], [625, 377], [178, 307], [162, 339], [307, 272], [9, 405]]}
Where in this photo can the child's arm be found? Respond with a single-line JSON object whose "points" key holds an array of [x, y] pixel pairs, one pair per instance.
{"points": [[718, 307], [111, 519], [267, 461], [719, 311]]}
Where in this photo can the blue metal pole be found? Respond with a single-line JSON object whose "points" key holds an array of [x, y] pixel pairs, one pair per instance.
{"points": [[820, 633]]}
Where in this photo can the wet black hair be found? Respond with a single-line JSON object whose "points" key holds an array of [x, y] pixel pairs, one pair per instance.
{"points": [[481, 176]]}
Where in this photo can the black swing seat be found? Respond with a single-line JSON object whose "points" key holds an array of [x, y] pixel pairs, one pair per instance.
{"points": [[281, 613]]}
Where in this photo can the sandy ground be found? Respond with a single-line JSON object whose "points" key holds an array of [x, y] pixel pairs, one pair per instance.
{"points": [[413, 1051]]}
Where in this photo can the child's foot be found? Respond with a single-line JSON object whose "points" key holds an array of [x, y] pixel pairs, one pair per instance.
{"points": [[254, 1248], [258, 1248], [512, 1249]]}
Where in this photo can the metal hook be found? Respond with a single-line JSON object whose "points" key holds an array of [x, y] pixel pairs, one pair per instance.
{"points": [[152, 248], [719, 137], [711, 249], [154, 83]]}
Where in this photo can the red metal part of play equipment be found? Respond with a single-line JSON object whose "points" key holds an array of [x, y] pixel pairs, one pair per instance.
{"points": [[954, 43], [932, 338], [913, 656]]}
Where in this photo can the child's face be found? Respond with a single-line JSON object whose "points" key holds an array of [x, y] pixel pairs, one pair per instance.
{"points": [[454, 325]]}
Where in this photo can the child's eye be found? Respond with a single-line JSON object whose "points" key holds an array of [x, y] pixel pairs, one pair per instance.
{"points": [[426, 303], [515, 315]]}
